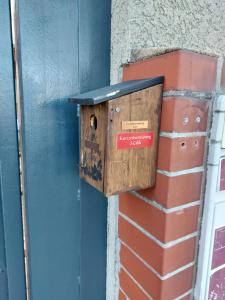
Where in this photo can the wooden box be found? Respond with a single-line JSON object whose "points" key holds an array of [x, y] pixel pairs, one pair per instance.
{"points": [[119, 127]]}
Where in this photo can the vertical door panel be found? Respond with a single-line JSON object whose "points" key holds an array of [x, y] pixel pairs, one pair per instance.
{"points": [[64, 48], [12, 280], [94, 58], [3, 267], [49, 55]]}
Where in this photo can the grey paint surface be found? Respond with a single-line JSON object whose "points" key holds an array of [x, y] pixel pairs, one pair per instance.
{"points": [[12, 282], [65, 49], [157, 24], [110, 92]]}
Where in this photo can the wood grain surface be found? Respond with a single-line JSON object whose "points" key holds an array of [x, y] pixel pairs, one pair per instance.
{"points": [[132, 168]]}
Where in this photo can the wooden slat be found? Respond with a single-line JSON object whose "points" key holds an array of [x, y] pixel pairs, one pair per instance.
{"points": [[93, 145], [132, 168]]}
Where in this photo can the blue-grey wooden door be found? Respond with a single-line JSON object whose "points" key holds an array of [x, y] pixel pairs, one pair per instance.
{"points": [[12, 278], [64, 49]]}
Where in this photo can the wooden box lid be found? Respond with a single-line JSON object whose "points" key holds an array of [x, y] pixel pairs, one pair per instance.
{"points": [[114, 91]]}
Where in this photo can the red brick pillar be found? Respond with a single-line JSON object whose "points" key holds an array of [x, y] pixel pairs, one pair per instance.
{"points": [[158, 227]]}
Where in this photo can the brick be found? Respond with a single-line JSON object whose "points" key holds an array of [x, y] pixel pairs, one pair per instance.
{"points": [[183, 279], [183, 70], [158, 289], [163, 260], [130, 287], [165, 227], [175, 191], [122, 296], [181, 223], [180, 153], [182, 114], [186, 298]]}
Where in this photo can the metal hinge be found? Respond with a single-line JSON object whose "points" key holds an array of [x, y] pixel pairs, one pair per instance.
{"points": [[78, 194], [78, 110], [78, 283]]}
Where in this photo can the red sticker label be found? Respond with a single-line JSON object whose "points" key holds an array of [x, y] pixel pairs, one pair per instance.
{"points": [[134, 140]]}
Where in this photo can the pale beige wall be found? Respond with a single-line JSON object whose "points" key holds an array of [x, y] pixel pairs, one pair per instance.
{"points": [[142, 27]]}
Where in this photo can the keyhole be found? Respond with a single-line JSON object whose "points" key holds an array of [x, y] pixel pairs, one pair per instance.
{"points": [[93, 122]]}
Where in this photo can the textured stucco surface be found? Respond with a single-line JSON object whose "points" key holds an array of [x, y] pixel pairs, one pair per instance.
{"points": [[143, 27]]}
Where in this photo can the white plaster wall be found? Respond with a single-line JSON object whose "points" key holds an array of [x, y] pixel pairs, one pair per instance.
{"points": [[143, 27]]}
